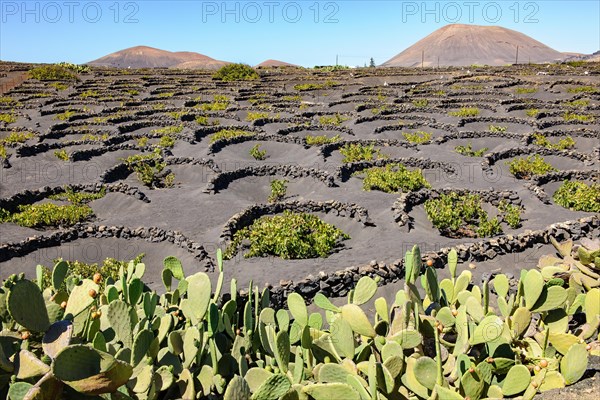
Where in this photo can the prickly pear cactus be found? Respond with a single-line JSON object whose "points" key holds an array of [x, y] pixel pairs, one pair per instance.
{"points": [[118, 315], [89, 371], [26, 306]]}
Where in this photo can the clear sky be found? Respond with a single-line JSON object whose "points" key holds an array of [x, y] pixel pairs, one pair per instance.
{"points": [[307, 33]]}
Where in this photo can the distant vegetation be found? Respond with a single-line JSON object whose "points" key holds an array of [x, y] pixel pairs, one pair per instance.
{"points": [[562, 144], [335, 120], [419, 137], [257, 153], [578, 196], [497, 128], [393, 178], [462, 215], [150, 169], [569, 116], [302, 87], [465, 112], [8, 118], [289, 236], [47, 214], [321, 140], [278, 190], [525, 168], [354, 152], [236, 72], [469, 152], [583, 89], [52, 73], [229, 134]]}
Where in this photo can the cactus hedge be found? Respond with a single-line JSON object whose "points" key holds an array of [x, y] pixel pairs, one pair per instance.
{"points": [[120, 340]]}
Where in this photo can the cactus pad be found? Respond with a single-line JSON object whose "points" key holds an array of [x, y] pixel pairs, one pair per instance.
{"points": [[57, 337], [329, 391], [516, 380], [90, 371], [574, 363], [26, 306]]}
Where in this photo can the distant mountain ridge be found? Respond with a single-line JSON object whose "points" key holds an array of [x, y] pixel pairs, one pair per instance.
{"points": [[463, 45], [275, 63], [150, 57]]}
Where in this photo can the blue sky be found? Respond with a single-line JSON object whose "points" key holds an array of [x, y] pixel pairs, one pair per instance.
{"points": [[307, 33]]}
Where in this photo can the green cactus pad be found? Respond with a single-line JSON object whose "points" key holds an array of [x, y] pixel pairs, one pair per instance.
{"points": [[80, 298], [90, 371], [557, 321], [190, 349], [574, 363], [255, 377], [461, 284], [395, 365], [199, 294], [472, 385], [283, 319], [26, 306], [407, 338], [516, 380], [501, 285], [174, 266], [273, 388], [364, 290], [164, 377], [120, 320], [141, 345], [381, 307], [552, 380], [298, 308], [27, 365], [237, 389], [533, 286], [167, 279], [329, 373], [186, 385], [390, 349], [267, 316], [57, 337], [425, 372], [59, 272], [430, 284], [357, 320], [592, 306], [562, 342], [551, 298], [444, 315], [18, 390], [281, 349], [315, 321], [329, 391], [452, 262], [143, 378], [409, 379], [447, 290], [489, 329], [520, 321], [446, 394], [135, 290], [343, 336]]}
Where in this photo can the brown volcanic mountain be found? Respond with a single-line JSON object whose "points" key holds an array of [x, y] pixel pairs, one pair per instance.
{"points": [[149, 57], [461, 45], [274, 63]]}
